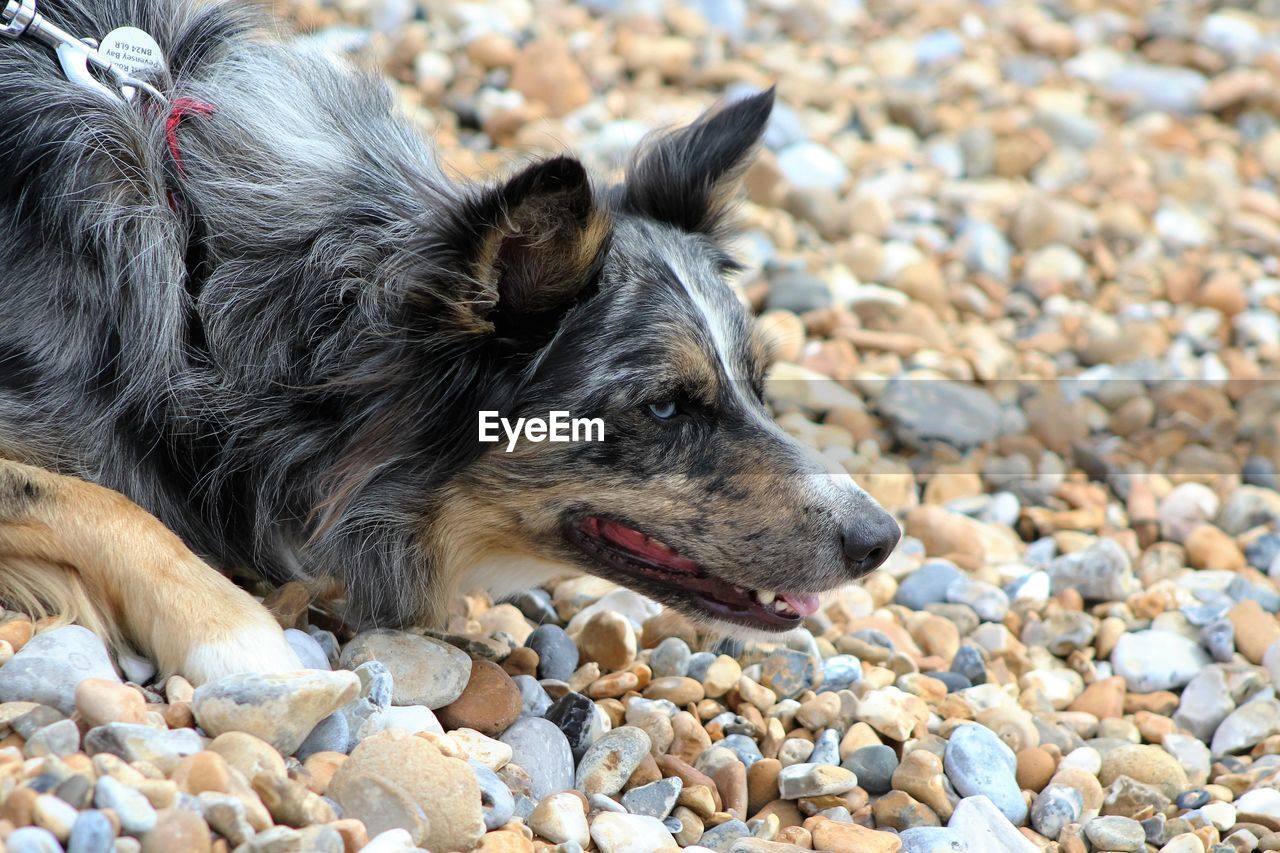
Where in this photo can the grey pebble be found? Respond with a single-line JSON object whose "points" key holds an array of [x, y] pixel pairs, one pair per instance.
{"points": [[135, 813], [309, 652], [534, 699], [670, 658], [332, 734], [933, 839], [542, 749], [977, 761], [61, 739], [874, 766], [721, 838], [32, 839], [826, 748], [495, 797], [557, 653], [655, 799], [91, 833], [51, 664], [1055, 807]]}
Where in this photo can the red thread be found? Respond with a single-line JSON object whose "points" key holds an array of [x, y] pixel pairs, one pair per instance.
{"points": [[181, 108]]}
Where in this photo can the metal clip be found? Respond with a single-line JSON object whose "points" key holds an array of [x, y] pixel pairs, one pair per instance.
{"points": [[79, 58]]}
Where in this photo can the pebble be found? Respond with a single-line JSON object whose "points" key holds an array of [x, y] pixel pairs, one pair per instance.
{"points": [[92, 832], [490, 703], [134, 812], [927, 585], [814, 780], [609, 762], [1055, 807], [393, 777], [1154, 660], [1116, 833], [557, 653], [560, 819], [873, 766], [973, 415], [542, 749], [424, 671], [49, 667], [626, 833], [977, 761], [656, 799], [787, 672], [280, 709], [985, 828]]}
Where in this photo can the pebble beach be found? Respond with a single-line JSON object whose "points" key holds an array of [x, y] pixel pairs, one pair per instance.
{"points": [[1020, 262]]}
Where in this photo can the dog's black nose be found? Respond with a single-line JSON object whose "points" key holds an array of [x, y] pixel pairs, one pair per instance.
{"points": [[868, 540]]}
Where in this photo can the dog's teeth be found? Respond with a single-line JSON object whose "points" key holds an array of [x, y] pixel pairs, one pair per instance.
{"points": [[781, 606], [764, 596]]}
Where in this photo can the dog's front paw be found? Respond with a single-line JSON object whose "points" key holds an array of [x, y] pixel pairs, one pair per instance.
{"points": [[261, 648]]}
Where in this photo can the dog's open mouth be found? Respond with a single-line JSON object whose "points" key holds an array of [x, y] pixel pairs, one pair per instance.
{"points": [[655, 566]]}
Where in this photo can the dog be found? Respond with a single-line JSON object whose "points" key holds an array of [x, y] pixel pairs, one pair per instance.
{"points": [[250, 325]]}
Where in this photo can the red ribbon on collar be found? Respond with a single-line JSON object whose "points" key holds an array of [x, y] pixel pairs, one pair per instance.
{"points": [[178, 112]]}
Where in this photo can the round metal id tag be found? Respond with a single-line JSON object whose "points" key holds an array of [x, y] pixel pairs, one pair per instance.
{"points": [[132, 50]]}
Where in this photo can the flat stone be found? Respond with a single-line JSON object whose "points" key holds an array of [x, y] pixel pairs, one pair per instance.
{"points": [[32, 839], [178, 829], [131, 807], [1121, 834], [1205, 703], [927, 584], [934, 839], [280, 709], [542, 749], [1247, 726], [978, 761], [133, 742], [424, 670], [495, 797], [52, 664], [626, 833], [985, 828], [443, 789], [814, 780], [656, 799], [788, 672], [1100, 572], [610, 761], [577, 718], [93, 833], [1154, 660], [609, 640], [973, 416]]}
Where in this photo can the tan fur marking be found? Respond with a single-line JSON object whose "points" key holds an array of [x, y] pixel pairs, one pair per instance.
{"points": [[86, 554]]}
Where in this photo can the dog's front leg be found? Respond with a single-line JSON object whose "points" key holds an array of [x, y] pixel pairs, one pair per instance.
{"points": [[90, 555]]}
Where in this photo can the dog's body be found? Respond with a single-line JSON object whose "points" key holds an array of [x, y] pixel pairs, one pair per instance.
{"points": [[271, 321]]}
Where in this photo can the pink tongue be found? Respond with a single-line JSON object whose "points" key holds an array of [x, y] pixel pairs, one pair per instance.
{"points": [[804, 603], [636, 542]]}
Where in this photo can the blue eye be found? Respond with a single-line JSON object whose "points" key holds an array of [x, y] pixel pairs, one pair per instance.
{"points": [[664, 410]]}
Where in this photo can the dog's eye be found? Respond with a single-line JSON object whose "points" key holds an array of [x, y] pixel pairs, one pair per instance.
{"points": [[663, 411]]}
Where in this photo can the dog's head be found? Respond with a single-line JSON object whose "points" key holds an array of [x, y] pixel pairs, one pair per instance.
{"points": [[612, 304]]}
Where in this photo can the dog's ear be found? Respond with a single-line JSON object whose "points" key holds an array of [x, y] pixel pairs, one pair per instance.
{"points": [[689, 178], [534, 246]]}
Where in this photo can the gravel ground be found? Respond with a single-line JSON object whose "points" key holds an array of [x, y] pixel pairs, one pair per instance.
{"points": [[1019, 260]]}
